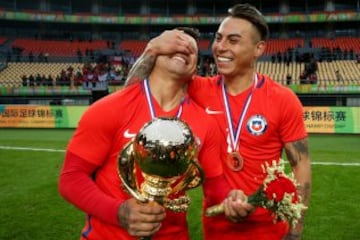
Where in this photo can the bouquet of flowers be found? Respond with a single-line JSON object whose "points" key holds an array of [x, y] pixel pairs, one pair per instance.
{"points": [[277, 193]]}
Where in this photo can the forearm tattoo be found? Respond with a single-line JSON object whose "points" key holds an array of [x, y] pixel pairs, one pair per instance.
{"points": [[304, 191], [141, 69], [297, 151], [123, 215], [293, 236]]}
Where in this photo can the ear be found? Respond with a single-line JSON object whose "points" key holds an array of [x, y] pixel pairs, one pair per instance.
{"points": [[260, 48]]}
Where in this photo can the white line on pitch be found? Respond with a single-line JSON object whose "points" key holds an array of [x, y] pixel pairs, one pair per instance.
{"points": [[31, 149], [335, 164], [59, 150]]}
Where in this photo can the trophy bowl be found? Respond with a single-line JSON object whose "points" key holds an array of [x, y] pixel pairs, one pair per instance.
{"points": [[164, 152]]}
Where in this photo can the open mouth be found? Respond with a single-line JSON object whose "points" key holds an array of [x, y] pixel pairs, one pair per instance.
{"points": [[224, 59], [181, 58]]}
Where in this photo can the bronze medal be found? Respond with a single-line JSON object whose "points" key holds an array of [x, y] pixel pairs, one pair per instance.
{"points": [[235, 161]]}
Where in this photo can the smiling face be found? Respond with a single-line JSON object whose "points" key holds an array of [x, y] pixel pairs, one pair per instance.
{"points": [[179, 64], [236, 47]]}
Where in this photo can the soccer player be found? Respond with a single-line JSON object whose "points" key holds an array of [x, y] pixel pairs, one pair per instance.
{"points": [[258, 119], [89, 179]]}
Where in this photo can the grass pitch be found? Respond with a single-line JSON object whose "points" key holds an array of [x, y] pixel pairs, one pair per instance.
{"points": [[31, 207]]}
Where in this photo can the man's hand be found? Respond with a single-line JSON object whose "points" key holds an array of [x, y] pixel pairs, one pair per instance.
{"points": [[140, 219], [236, 207], [170, 42]]}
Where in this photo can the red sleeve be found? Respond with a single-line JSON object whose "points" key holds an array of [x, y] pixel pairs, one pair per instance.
{"points": [[292, 127], [77, 187], [200, 90], [215, 190]]}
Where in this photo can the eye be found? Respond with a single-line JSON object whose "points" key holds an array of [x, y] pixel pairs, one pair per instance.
{"points": [[233, 40], [218, 38]]}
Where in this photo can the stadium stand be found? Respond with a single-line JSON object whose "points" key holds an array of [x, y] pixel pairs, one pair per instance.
{"points": [[349, 70], [57, 48], [281, 45], [2, 40], [136, 47], [49, 37], [343, 43], [279, 71], [12, 75]]}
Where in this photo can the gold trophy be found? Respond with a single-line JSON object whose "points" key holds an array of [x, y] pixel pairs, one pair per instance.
{"points": [[165, 152]]}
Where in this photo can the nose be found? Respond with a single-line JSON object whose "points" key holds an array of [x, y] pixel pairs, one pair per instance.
{"points": [[220, 45]]}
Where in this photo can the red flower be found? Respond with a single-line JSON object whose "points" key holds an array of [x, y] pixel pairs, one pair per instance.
{"points": [[278, 194], [276, 189]]}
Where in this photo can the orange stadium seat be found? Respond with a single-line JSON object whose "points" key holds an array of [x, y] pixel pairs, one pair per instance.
{"points": [[204, 44], [281, 45], [136, 47], [57, 48], [344, 43], [3, 40]]}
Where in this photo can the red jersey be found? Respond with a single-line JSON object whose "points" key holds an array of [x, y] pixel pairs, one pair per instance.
{"points": [[112, 122], [274, 117]]}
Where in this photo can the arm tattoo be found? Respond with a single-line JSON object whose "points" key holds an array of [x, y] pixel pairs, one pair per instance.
{"points": [[304, 192], [293, 236], [298, 156], [141, 69], [296, 151], [123, 215]]}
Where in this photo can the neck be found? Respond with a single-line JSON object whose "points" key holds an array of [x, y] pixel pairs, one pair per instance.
{"points": [[238, 84], [166, 91]]}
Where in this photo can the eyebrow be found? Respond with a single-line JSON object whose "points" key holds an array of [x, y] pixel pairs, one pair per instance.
{"points": [[230, 35]]}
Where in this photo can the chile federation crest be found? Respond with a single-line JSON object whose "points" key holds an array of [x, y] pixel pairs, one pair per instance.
{"points": [[257, 125]]}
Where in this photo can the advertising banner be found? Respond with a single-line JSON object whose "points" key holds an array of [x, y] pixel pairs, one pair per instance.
{"points": [[34, 116], [332, 119], [317, 119]]}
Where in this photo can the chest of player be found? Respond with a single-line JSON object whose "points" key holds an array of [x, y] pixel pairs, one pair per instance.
{"points": [[259, 119], [134, 122]]}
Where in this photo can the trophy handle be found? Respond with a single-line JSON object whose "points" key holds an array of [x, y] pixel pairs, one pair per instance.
{"points": [[193, 177], [126, 171]]}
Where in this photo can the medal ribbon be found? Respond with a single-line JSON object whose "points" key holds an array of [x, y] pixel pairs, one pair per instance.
{"points": [[235, 133], [151, 104]]}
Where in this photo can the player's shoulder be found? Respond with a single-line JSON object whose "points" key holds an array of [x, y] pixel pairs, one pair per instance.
{"points": [[206, 80], [273, 88]]}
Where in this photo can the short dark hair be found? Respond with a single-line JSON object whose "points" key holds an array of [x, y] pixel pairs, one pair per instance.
{"points": [[251, 14], [193, 32]]}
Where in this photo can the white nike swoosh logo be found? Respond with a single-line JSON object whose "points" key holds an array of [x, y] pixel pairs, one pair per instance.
{"points": [[127, 134], [208, 111]]}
